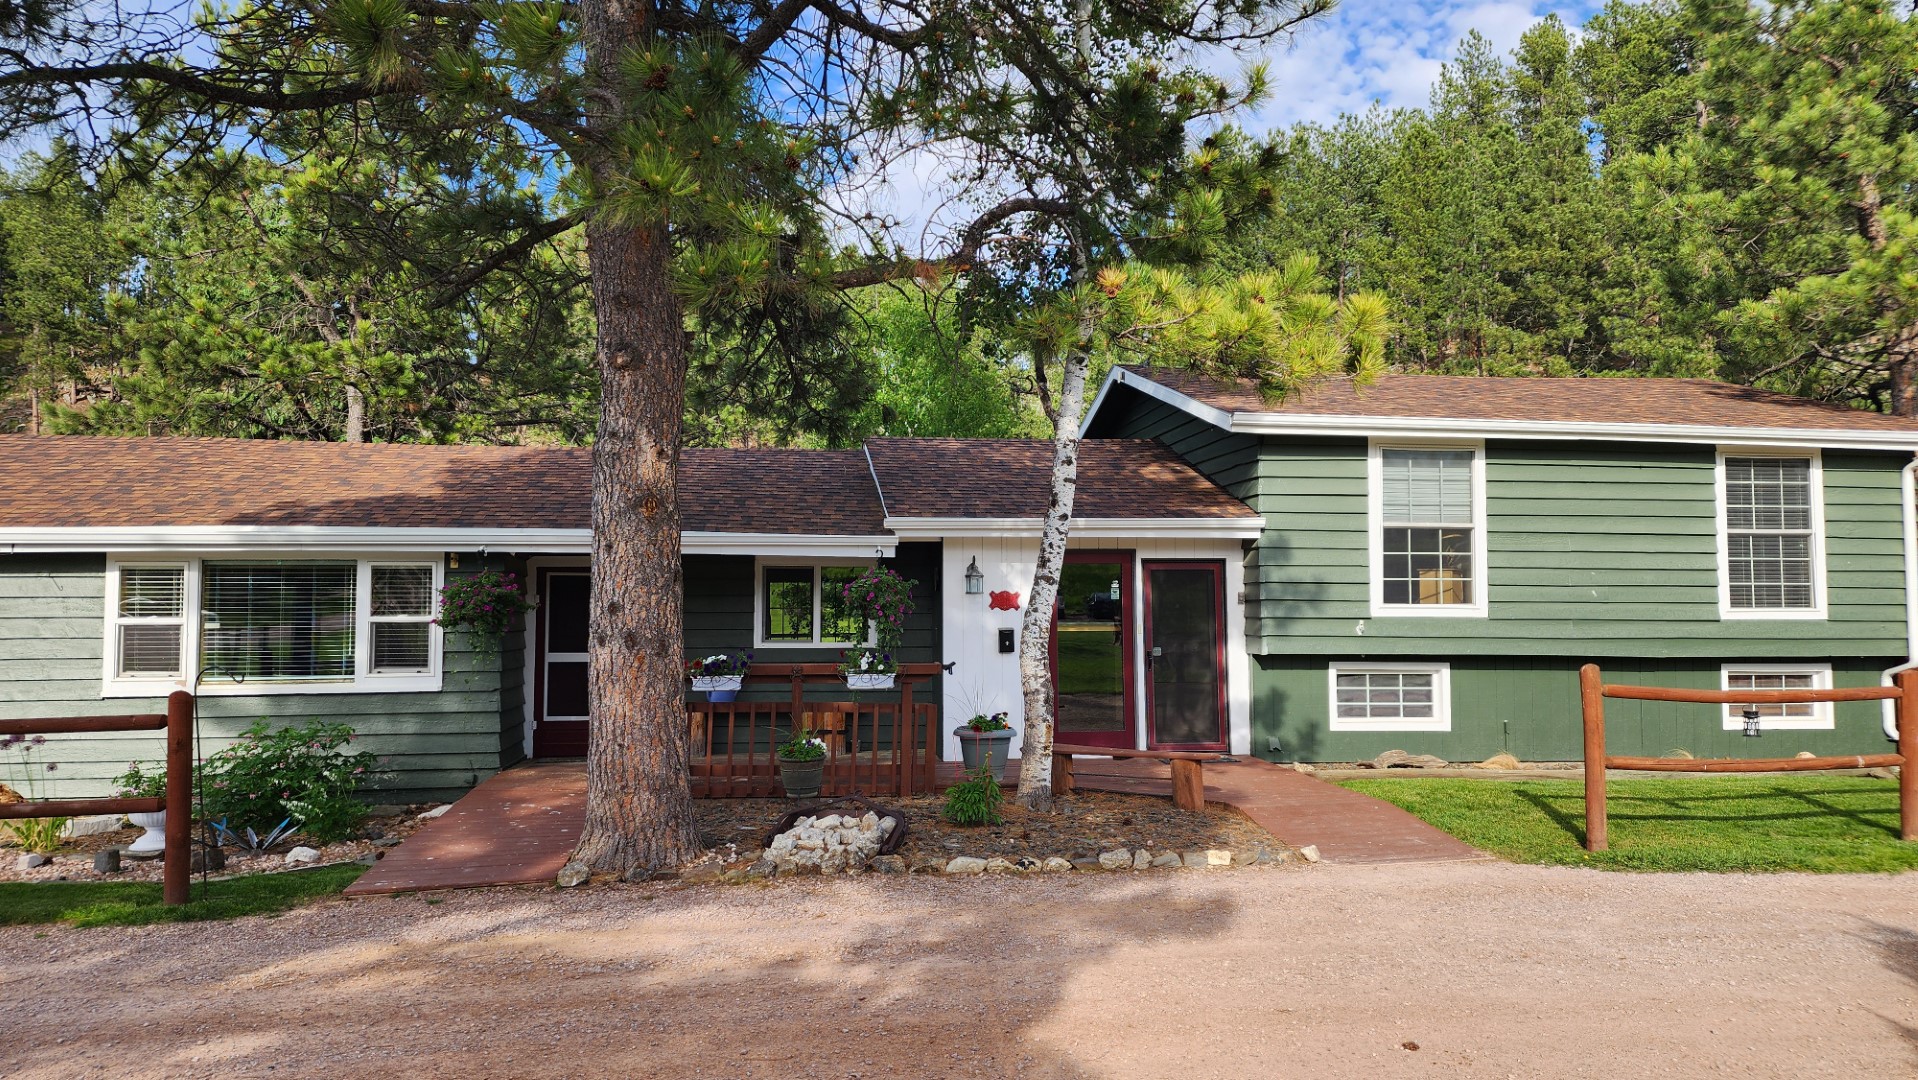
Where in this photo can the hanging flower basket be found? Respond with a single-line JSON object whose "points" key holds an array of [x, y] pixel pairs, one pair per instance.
{"points": [[720, 675]]}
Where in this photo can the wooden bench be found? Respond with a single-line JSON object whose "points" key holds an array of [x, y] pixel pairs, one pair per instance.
{"points": [[1188, 775]]}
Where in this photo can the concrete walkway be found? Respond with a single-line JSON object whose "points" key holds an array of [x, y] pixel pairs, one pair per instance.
{"points": [[518, 826]]}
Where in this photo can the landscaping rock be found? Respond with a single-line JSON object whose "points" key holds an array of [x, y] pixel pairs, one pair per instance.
{"points": [[1116, 859], [966, 864], [1026, 864], [93, 825], [1087, 863], [762, 867], [1884, 772], [1141, 859], [1300, 766], [1056, 865], [106, 861], [1215, 857], [1500, 760], [206, 860], [572, 874], [888, 864], [386, 841], [437, 811], [1310, 853], [997, 865], [1195, 859], [927, 864], [1170, 858], [1399, 759], [372, 832], [302, 856], [384, 810], [701, 873], [32, 860]]}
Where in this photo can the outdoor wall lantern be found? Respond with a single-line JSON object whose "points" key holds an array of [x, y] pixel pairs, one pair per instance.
{"points": [[975, 578], [1751, 722]]}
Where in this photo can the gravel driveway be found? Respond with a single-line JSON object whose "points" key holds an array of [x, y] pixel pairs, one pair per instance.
{"points": [[1487, 969]]}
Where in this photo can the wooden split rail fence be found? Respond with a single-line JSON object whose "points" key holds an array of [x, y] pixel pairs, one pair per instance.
{"points": [[1593, 690], [177, 722]]}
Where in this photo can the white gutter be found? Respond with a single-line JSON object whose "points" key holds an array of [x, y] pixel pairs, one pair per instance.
{"points": [[317, 538], [1192, 528], [1908, 501]]}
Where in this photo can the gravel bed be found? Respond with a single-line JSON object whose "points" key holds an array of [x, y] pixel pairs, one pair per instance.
{"points": [[74, 860]]}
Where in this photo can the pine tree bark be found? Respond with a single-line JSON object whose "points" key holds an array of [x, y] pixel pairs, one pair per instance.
{"points": [[639, 812], [355, 430], [1035, 645]]}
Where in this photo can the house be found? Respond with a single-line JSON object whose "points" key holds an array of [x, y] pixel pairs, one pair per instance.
{"points": [[1421, 563], [1441, 554], [296, 581]]}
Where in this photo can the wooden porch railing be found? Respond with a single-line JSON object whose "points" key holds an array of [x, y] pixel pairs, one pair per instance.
{"points": [[178, 723], [878, 742]]}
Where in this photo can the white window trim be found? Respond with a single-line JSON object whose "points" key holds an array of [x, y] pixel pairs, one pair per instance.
{"points": [[1441, 719], [1722, 536], [364, 680], [1821, 717], [115, 621], [759, 604], [1480, 606]]}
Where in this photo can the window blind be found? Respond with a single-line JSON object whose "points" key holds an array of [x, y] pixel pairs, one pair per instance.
{"points": [[1427, 487], [151, 612], [1768, 524], [402, 612], [278, 621]]}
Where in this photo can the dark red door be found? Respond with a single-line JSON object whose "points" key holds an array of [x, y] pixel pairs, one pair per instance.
{"points": [[1092, 672], [560, 669], [1185, 655]]}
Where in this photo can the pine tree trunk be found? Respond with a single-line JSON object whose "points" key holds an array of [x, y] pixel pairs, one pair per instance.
{"points": [[1902, 358], [1035, 645], [355, 430], [639, 810]]}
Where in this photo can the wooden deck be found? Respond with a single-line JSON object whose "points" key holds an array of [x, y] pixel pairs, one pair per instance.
{"points": [[518, 826]]}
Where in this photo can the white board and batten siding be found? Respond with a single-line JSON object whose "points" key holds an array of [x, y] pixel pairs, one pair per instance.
{"points": [[986, 680]]}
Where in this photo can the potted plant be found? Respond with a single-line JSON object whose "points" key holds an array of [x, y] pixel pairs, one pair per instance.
{"points": [[867, 669], [885, 599], [802, 764], [720, 675], [984, 743], [140, 783]]}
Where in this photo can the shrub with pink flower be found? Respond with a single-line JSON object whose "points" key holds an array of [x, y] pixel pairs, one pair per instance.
{"points": [[303, 774]]}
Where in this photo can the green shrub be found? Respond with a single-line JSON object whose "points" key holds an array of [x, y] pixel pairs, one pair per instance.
{"points": [[974, 800], [301, 773]]}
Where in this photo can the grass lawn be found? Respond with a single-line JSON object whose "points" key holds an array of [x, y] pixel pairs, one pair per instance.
{"points": [[1825, 824], [137, 903]]}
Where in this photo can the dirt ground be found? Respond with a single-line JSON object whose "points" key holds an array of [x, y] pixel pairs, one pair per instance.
{"points": [[1463, 969]]}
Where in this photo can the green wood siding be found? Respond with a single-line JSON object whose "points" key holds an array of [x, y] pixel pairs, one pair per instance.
{"points": [[52, 636], [1595, 550], [1529, 706]]}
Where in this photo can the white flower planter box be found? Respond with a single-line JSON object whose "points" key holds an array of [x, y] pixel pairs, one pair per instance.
{"points": [[869, 682], [710, 683]]}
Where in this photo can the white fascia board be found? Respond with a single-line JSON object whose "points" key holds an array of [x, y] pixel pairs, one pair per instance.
{"points": [[931, 528], [1360, 427], [1400, 427], [312, 538]]}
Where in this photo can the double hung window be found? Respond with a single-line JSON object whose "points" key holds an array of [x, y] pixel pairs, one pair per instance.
{"points": [[1770, 530], [1428, 531]]}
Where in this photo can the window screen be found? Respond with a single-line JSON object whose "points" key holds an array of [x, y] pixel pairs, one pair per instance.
{"points": [[1768, 532], [278, 621], [1386, 695], [1772, 680], [789, 603], [402, 617], [1427, 526], [150, 615]]}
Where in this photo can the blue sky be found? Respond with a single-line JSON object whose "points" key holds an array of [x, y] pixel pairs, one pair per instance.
{"points": [[1388, 51]]}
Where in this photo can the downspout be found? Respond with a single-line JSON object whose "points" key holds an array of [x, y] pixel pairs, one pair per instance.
{"points": [[1908, 501]]}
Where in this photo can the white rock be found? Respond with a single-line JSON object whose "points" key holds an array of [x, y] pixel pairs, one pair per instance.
{"points": [[1215, 857], [830, 821], [887, 825], [437, 811], [810, 843], [1116, 859], [93, 825], [1141, 859], [302, 856], [1170, 858], [997, 865], [783, 843], [31, 860], [1055, 864], [573, 873], [869, 822], [966, 864], [1310, 853]]}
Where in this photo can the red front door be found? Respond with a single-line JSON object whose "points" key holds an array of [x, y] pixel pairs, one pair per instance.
{"points": [[1092, 671], [560, 668], [1185, 655]]}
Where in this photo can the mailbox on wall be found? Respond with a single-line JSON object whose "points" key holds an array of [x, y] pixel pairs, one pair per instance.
{"points": [[1005, 639]]}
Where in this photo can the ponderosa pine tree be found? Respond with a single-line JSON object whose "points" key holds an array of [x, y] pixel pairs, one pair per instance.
{"points": [[702, 149]]}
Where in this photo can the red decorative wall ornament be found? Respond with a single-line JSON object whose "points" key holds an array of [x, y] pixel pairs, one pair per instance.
{"points": [[1003, 601]]}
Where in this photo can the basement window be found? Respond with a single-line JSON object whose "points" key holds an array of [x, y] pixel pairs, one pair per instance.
{"points": [[1796, 716], [1391, 697]]}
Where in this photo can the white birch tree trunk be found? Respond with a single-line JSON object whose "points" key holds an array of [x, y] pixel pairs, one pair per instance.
{"points": [[1035, 644]]}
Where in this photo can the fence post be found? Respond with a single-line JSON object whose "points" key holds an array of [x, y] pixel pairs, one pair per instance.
{"points": [[175, 871], [904, 730], [1908, 749], [1591, 693]]}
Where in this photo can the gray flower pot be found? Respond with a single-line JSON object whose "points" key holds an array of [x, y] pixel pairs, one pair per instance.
{"points": [[801, 779], [987, 748]]}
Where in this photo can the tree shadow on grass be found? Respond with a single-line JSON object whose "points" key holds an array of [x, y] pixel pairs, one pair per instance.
{"points": [[862, 977], [1568, 811]]}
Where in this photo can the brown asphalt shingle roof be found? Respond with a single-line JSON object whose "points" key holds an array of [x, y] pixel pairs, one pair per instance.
{"points": [[1567, 400], [1011, 478], [78, 481]]}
